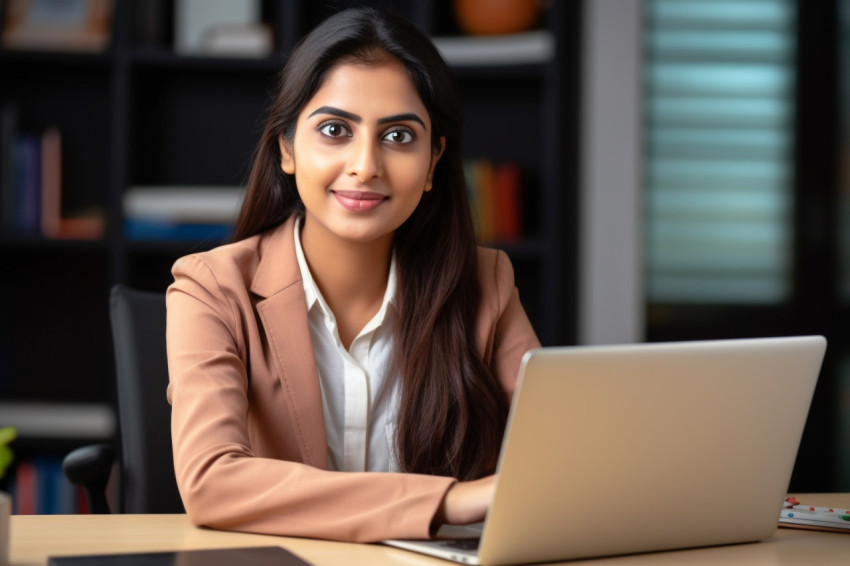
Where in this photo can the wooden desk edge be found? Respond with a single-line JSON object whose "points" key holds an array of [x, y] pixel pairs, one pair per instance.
{"points": [[36, 537]]}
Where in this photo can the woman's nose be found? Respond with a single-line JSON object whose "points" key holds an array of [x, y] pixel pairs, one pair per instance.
{"points": [[365, 160]]}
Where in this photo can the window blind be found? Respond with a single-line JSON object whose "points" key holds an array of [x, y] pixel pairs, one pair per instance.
{"points": [[718, 164]]}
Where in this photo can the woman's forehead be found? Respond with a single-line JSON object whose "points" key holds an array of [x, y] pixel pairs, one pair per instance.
{"points": [[383, 88]]}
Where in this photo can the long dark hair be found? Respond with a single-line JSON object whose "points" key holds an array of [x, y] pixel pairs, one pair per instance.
{"points": [[452, 410]]}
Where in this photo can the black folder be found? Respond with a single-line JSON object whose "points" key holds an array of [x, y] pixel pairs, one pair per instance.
{"points": [[250, 556]]}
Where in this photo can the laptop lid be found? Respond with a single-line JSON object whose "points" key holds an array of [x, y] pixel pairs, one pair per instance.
{"points": [[622, 449]]}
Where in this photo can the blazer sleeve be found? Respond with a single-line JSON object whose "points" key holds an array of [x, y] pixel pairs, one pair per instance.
{"points": [[222, 482], [504, 328]]}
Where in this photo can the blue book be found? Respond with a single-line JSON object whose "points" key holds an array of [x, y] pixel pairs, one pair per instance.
{"points": [[45, 485], [27, 184], [162, 231]]}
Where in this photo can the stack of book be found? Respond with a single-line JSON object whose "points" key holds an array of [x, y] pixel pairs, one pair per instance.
{"points": [[31, 185], [39, 487], [180, 213], [495, 190]]}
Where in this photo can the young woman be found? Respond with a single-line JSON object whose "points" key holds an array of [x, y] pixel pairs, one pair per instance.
{"points": [[353, 327]]}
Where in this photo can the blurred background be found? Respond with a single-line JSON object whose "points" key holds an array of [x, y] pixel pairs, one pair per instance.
{"points": [[656, 169]]}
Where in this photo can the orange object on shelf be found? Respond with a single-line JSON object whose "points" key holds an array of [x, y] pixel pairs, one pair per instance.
{"points": [[495, 17]]}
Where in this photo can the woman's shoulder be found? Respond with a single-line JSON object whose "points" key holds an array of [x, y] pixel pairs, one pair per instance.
{"points": [[239, 256], [235, 263], [495, 274], [495, 264]]}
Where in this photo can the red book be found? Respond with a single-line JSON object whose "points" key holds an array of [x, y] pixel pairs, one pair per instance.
{"points": [[506, 180], [51, 182], [26, 489]]}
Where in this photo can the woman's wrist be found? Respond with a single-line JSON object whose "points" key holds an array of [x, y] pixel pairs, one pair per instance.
{"points": [[466, 502]]}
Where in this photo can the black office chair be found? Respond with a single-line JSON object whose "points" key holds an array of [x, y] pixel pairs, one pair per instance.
{"points": [[144, 415]]}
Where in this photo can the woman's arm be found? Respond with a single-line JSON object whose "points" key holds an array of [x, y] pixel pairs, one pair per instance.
{"points": [[236, 467]]}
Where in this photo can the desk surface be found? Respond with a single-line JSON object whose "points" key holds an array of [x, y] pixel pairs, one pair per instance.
{"points": [[35, 537]]}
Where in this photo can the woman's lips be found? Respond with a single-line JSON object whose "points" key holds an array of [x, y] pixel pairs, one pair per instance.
{"points": [[359, 201]]}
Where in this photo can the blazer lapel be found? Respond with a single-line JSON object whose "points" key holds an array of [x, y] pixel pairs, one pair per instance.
{"points": [[284, 316]]}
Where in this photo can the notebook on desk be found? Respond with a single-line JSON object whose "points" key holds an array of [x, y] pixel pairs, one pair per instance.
{"points": [[624, 449]]}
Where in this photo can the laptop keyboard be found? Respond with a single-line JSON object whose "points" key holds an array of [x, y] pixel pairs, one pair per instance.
{"points": [[462, 544]]}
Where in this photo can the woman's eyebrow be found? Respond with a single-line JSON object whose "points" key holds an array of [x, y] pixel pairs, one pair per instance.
{"points": [[410, 117], [358, 119], [336, 112]]}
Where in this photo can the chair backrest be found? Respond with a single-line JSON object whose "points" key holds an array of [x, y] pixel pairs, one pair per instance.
{"points": [[144, 415]]}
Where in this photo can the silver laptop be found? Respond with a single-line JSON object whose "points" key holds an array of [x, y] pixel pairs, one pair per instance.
{"points": [[625, 449]]}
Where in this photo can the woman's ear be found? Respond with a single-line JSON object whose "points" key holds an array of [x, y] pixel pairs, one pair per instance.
{"points": [[429, 181], [287, 159]]}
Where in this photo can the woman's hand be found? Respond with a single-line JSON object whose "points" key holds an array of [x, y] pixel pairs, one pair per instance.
{"points": [[466, 502]]}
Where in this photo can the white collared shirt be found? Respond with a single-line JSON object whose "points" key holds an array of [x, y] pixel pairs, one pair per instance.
{"points": [[359, 397]]}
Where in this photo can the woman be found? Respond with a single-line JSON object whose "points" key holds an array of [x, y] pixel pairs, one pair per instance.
{"points": [[352, 327]]}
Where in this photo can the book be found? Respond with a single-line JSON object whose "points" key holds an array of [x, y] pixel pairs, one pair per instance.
{"points": [[483, 179], [27, 184], [39, 487], [56, 495], [249, 556], [84, 225], [472, 192], [51, 183], [176, 204], [156, 230], [798, 515], [506, 186], [25, 491], [495, 195], [33, 188], [180, 213]]}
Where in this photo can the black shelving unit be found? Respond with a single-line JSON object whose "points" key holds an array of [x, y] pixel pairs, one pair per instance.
{"points": [[139, 114]]}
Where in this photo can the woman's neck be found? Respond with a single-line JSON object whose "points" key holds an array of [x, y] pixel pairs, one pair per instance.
{"points": [[352, 276]]}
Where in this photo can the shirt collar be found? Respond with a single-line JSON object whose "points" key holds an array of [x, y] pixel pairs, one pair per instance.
{"points": [[311, 290]]}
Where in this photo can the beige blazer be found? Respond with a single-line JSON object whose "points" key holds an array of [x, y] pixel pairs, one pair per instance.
{"points": [[247, 425]]}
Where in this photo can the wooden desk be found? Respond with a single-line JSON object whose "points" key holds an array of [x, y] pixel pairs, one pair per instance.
{"points": [[34, 538]]}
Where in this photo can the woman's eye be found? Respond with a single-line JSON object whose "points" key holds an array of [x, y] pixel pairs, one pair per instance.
{"points": [[399, 136], [333, 129]]}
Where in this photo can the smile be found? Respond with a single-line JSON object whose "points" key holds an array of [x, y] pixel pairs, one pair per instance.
{"points": [[359, 201]]}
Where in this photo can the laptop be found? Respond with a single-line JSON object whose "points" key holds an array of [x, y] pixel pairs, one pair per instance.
{"points": [[646, 447]]}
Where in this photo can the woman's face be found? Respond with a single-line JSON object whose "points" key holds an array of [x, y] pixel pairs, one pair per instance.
{"points": [[361, 154]]}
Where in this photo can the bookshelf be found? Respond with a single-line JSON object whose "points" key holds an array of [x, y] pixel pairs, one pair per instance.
{"points": [[139, 115]]}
